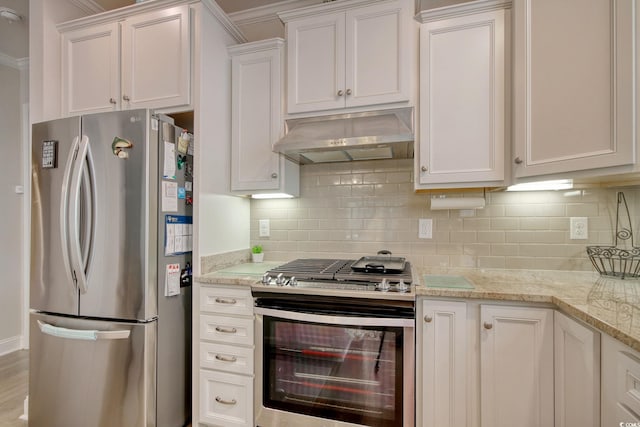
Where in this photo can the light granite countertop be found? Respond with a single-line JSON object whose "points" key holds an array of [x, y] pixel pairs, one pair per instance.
{"points": [[609, 305]]}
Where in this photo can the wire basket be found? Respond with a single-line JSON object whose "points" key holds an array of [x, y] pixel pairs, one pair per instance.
{"points": [[623, 259]]}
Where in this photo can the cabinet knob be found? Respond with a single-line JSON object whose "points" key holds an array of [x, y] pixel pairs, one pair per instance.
{"points": [[112, 101], [274, 175], [517, 160], [340, 92], [428, 319], [488, 325], [126, 98], [348, 91], [423, 168]]}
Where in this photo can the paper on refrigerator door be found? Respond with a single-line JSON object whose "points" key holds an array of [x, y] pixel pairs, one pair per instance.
{"points": [[172, 280], [169, 170], [169, 196]]}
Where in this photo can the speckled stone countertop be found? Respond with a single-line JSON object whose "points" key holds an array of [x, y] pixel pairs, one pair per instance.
{"points": [[609, 305]]}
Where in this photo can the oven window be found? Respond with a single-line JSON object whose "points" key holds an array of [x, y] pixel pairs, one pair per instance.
{"points": [[347, 373]]}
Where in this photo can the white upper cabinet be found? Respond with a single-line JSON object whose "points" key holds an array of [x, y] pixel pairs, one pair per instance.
{"points": [[574, 92], [143, 61], [348, 54], [156, 59], [91, 69], [256, 120], [464, 75]]}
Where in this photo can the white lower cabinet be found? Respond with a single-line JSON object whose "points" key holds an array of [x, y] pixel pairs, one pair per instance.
{"points": [[577, 373], [441, 355], [226, 399], [516, 366], [225, 354], [620, 383]]}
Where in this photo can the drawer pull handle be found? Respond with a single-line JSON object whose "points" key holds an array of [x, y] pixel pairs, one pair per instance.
{"points": [[225, 402], [226, 301], [222, 358], [226, 330]]}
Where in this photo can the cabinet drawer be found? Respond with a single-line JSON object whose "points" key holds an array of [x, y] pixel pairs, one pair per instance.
{"points": [[226, 399], [628, 381], [226, 301], [228, 358], [230, 330]]}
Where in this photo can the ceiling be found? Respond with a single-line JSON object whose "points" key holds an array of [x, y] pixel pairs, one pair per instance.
{"points": [[14, 37]]}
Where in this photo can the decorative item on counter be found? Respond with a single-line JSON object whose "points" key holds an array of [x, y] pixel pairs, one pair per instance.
{"points": [[256, 253], [623, 259]]}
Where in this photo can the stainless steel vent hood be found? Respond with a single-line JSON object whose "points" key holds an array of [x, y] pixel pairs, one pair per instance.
{"points": [[383, 134]]}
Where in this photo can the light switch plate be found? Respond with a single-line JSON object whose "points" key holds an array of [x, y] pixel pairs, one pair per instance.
{"points": [[264, 228]]}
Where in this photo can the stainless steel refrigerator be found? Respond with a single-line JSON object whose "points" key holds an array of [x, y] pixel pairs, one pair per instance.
{"points": [[110, 293]]}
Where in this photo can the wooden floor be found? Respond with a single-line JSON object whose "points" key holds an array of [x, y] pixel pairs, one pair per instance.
{"points": [[14, 383]]}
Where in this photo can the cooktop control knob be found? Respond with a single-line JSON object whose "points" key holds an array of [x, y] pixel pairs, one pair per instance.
{"points": [[292, 281], [279, 280], [402, 287], [266, 279], [383, 286]]}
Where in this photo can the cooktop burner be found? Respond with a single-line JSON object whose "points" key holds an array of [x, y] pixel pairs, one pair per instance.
{"points": [[336, 274]]}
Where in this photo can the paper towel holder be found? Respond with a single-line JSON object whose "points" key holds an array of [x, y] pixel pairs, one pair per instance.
{"points": [[443, 202]]}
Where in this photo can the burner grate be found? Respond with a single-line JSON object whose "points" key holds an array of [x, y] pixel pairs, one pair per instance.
{"points": [[335, 270]]}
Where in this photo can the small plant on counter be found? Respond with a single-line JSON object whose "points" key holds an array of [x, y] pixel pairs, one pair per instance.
{"points": [[256, 253]]}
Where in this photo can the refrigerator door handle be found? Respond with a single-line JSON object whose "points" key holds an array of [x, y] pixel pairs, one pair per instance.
{"points": [[64, 211], [77, 258], [79, 334]]}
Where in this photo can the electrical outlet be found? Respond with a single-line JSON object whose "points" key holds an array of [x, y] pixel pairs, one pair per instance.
{"points": [[425, 228], [579, 228], [264, 227]]}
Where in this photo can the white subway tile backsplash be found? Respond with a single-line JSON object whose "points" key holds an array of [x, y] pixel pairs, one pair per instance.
{"points": [[347, 210]]}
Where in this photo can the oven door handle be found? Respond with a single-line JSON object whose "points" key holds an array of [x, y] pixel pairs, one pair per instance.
{"points": [[336, 320]]}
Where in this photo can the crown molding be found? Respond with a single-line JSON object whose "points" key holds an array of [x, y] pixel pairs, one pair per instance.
{"points": [[268, 12], [461, 9], [17, 63]]}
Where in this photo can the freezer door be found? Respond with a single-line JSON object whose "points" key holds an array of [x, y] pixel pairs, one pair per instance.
{"points": [[91, 373], [52, 287], [121, 266]]}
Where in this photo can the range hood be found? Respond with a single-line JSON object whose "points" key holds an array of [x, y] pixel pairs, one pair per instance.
{"points": [[373, 135]]}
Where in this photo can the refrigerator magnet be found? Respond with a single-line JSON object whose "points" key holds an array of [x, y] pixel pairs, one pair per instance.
{"points": [[181, 193]]}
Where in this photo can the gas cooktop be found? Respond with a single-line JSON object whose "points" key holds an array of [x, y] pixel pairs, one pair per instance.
{"points": [[336, 274]]}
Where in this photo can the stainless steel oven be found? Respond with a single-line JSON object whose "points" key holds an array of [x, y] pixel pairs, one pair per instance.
{"points": [[333, 361]]}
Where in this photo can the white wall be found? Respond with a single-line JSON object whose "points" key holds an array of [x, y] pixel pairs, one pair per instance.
{"points": [[12, 224], [222, 221]]}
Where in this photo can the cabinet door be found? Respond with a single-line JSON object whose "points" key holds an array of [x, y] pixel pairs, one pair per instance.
{"points": [[516, 366], [442, 357], [256, 120], [315, 63], [156, 58], [377, 54], [462, 99], [573, 85], [577, 373], [620, 383], [91, 70]]}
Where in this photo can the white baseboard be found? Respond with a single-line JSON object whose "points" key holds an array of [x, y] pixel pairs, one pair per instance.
{"points": [[9, 345]]}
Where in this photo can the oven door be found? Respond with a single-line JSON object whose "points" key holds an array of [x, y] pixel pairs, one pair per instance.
{"points": [[329, 364]]}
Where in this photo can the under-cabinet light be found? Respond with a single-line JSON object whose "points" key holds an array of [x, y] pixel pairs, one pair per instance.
{"points": [[556, 184], [272, 196]]}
